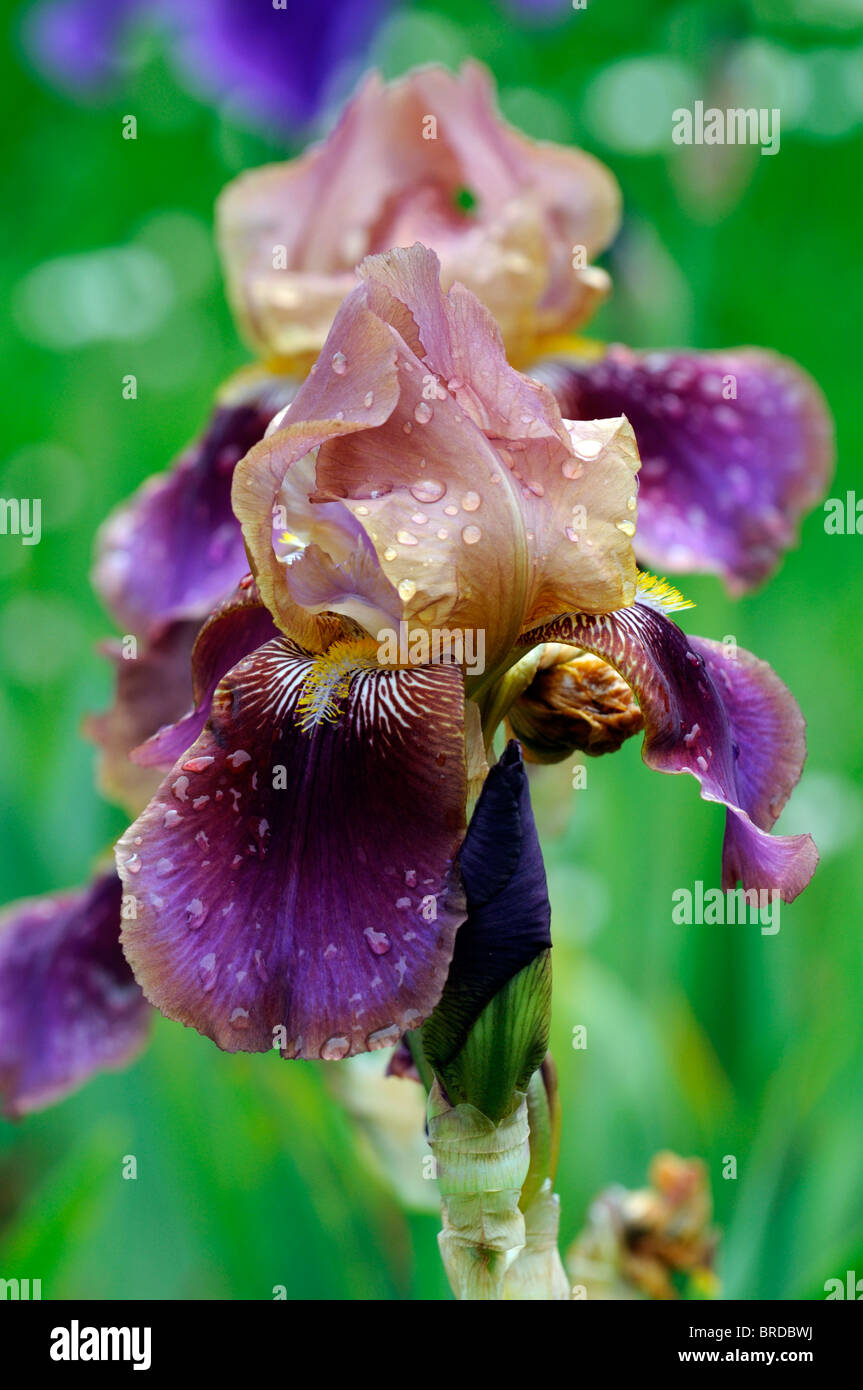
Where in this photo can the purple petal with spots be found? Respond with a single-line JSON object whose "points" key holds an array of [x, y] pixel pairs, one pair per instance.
{"points": [[69, 1005], [720, 714], [725, 479], [175, 549], [236, 628], [298, 884]]}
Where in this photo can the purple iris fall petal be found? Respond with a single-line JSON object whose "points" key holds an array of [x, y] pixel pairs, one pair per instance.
{"points": [[295, 875], [736, 446], [152, 687], [722, 715], [236, 628], [175, 549], [69, 1005]]}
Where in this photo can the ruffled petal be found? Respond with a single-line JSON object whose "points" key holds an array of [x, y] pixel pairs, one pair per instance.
{"points": [[295, 874], [427, 159], [69, 1005], [736, 447], [722, 715], [175, 549], [445, 491]]}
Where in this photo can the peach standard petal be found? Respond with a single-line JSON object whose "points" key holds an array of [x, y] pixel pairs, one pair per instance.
{"points": [[427, 158], [418, 478]]}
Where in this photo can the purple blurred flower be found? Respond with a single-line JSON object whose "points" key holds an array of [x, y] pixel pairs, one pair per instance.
{"points": [[278, 65]]}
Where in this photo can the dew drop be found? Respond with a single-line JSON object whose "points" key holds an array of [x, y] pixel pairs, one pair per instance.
{"points": [[428, 490], [422, 412], [588, 448], [407, 589], [419, 518], [390, 553], [239, 1018], [471, 534], [197, 764], [627, 527], [208, 971], [340, 363], [442, 533], [378, 941], [406, 538], [369, 400], [133, 864], [334, 1049], [471, 501], [384, 1037]]}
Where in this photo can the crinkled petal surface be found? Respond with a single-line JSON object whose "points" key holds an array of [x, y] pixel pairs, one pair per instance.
{"points": [[725, 717], [444, 488], [736, 447], [175, 549], [304, 878], [69, 1005]]}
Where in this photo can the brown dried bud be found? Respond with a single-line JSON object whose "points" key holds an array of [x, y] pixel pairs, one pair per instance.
{"points": [[580, 704]]}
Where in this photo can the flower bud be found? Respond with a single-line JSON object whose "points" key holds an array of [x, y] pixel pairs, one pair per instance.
{"points": [[578, 703]]}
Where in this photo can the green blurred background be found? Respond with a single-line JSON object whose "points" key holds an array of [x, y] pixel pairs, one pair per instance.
{"points": [[708, 1040]]}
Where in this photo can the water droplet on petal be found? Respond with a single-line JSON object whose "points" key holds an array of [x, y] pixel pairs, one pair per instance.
{"points": [[133, 864], [627, 527], [587, 448], [422, 412], [428, 490], [378, 941], [384, 1037], [239, 1018], [407, 589], [406, 538], [471, 534], [390, 553], [369, 400], [208, 970], [334, 1049], [471, 501], [340, 363]]}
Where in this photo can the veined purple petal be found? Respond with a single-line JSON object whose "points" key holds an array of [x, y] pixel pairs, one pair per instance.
{"points": [[720, 714], [295, 874], [69, 1005], [236, 628], [736, 446], [175, 549], [153, 687]]}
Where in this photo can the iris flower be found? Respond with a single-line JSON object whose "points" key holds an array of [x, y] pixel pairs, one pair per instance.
{"points": [[277, 64], [293, 874]]}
